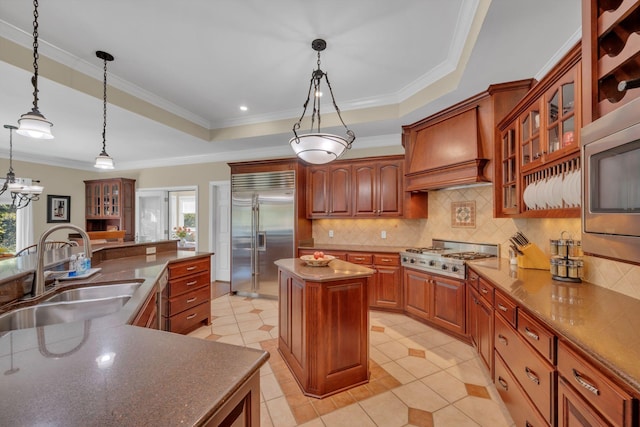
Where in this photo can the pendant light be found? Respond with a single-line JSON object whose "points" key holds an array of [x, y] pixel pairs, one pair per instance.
{"points": [[33, 124], [317, 147], [22, 193], [104, 161]]}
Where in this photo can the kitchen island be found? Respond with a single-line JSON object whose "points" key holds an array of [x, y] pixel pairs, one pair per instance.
{"points": [[104, 371], [324, 324]]}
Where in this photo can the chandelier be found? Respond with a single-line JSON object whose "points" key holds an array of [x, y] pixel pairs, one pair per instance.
{"points": [[33, 124], [22, 191], [317, 147], [104, 161]]}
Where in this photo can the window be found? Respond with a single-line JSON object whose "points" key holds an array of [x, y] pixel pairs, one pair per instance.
{"points": [[16, 226]]}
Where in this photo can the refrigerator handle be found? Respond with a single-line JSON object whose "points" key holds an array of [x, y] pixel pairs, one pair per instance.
{"points": [[262, 241]]}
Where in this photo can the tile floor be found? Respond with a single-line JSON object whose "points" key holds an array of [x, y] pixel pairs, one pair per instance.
{"points": [[419, 376]]}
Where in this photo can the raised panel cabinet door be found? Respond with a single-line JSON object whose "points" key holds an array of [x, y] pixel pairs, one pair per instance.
{"points": [[472, 315], [387, 291], [485, 333], [340, 191], [448, 306], [417, 293], [573, 411], [364, 190], [317, 192], [389, 188]]}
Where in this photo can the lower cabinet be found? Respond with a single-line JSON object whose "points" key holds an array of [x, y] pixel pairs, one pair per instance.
{"points": [[437, 299], [185, 299], [148, 315], [386, 284], [480, 325]]}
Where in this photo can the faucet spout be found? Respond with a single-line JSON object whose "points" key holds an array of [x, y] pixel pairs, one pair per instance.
{"points": [[39, 280]]}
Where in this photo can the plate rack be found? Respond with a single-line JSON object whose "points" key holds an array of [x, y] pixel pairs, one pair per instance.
{"points": [[539, 187]]}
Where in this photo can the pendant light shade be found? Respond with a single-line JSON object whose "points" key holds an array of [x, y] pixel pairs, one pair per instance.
{"points": [[33, 124], [104, 161], [318, 147]]}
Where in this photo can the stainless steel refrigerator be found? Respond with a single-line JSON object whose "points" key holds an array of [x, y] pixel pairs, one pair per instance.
{"points": [[262, 230]]}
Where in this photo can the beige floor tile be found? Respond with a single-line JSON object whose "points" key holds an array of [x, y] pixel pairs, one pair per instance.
{"points": [[250, 325], [235, 339], [378, 356], [417, 366], [450, 416], [349, 416], [393, 349], [431, 339], [246, 317], [459, 349], [201, 332], [386, 409], [316, 422], [280, 413], [224, 320], [377, 338], [398, 372], [472, 372], [418, 395], [255, 336], [484, 411], [441, 358], [269, 387], [230, 329], [265, 418], [446, 385]]}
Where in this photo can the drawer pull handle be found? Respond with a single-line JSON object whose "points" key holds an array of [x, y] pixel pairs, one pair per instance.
{"points": [[531, 375], [527, 424], [191, 268], [502, 307], [503, 339], [531, 334], [386, 260], [484, 290], [191, 283], [190, 300], [584, 383], [191, 316], [503, 383]]}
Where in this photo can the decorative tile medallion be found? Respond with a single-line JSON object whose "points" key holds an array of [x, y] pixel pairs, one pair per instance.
{"points": [[463, 214]]}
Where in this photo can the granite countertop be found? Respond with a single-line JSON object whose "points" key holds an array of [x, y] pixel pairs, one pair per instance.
{"points": [[106, 372], [355, 248], [601, 322], [336, 270]]}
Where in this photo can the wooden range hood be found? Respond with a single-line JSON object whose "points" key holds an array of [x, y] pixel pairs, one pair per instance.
{"points": [[456, 146]]}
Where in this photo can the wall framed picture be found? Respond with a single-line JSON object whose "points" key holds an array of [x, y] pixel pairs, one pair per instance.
{"points": [[58, 208]]}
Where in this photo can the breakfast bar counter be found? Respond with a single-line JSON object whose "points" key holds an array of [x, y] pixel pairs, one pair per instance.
{"points": [[324, 324]]}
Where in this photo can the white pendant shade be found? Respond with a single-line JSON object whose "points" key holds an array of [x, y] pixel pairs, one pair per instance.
{"points": [[34, 125], [318, 148], [104, 161]]}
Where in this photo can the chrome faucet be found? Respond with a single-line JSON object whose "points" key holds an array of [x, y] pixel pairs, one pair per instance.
{"points": [[39, 285]]}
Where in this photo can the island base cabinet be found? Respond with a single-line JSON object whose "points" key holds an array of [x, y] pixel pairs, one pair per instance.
{"points": [[323, 333], [573, 411], [242, 409]]}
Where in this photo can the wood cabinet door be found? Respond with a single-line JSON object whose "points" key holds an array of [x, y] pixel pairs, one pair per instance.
{"points": [[377, 189], [485, 333], [364, 190], [417, 293], [448, 303], [340, 191], [573, 411], [318, 192], [390, 189], [386, 289], [472, 315]]}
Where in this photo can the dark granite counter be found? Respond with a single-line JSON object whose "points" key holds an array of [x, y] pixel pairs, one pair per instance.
{"points": [[336, 270], [603, 323], [106, 372]]}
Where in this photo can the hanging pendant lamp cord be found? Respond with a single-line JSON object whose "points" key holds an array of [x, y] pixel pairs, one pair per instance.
{"points": [[104, 113], [34, 79]]}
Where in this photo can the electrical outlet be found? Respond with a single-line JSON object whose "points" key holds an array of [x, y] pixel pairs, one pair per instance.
{"points": [[151, 250], [383, 234], [331, 233]]}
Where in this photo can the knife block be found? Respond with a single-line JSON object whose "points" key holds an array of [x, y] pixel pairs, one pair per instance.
{"points": [[533, 258]]}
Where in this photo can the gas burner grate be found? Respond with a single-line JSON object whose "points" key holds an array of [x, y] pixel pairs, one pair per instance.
{"points": [[468, 255]]}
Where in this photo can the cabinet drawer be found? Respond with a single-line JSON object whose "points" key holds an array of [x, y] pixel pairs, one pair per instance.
{"points": [[189, 319], [186, 284], [534, 374], [183, 268], [386, 259], [366, 259], [473, 278], [506, 308], [613, 402], [485, 289], [185, 301], [538, 336], [520, 407]]}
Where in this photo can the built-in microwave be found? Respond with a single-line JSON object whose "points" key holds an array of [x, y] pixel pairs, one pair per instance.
{"points": [[611, 185]]}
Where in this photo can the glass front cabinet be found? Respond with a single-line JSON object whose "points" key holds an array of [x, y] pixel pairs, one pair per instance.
{"points": [[537, 158], [109, 205]]}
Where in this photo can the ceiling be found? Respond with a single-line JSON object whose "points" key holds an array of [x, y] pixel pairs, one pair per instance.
{"points": [[183, 69]]}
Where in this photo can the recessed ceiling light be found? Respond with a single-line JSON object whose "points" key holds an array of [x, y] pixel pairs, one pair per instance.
{"points": [[243, 108]]}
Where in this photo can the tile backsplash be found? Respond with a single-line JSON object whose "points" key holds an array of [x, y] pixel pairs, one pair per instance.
{"points": [[419, 232]]}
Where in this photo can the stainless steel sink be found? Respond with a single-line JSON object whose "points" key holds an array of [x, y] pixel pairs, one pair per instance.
{"points": [[95, 292], [50, 313]]}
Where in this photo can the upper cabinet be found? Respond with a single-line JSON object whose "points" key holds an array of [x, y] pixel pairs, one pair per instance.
{"points": [[110, 204], [610, 54], [456, 146], [537, 154], [362, 188]]}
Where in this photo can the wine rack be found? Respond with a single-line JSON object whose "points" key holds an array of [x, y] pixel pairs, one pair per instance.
{"points": [[611, 42]]}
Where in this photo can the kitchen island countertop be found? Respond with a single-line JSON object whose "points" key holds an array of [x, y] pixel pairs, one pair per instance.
{"points": [[106, 372], [336, 270]]}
